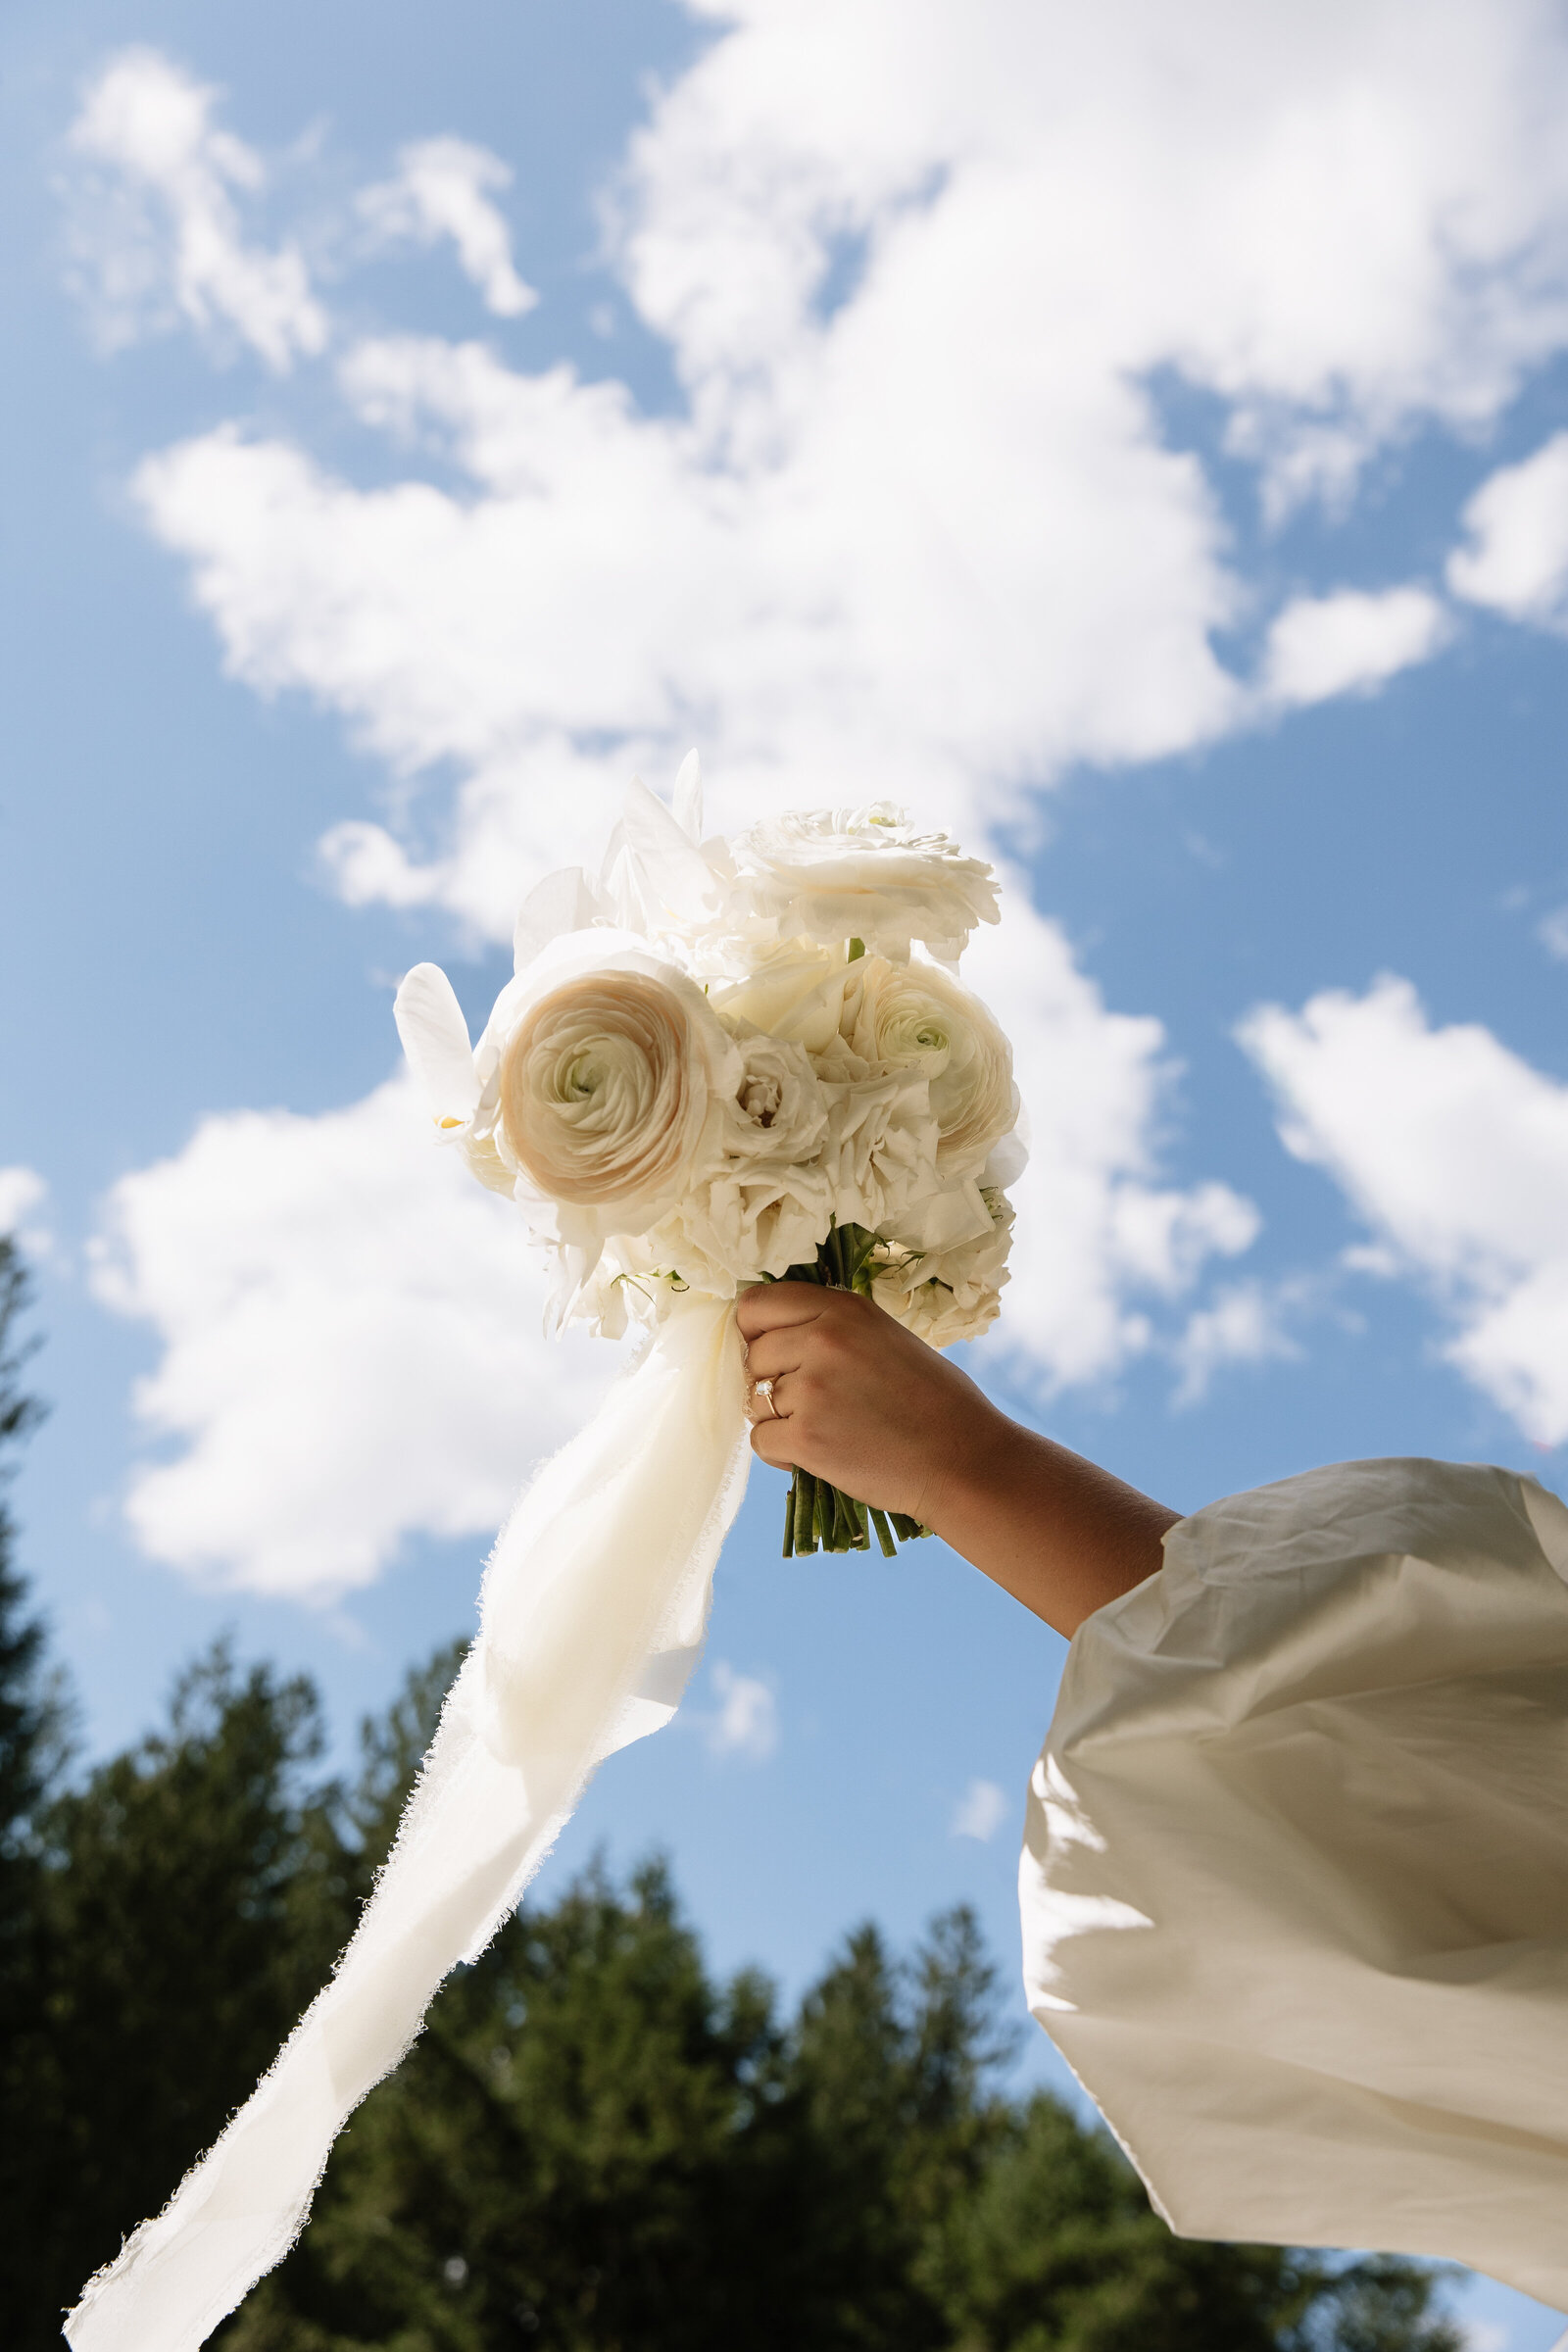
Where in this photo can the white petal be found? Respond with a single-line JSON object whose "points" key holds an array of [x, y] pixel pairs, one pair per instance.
{"points": [[943, 1220], [676, 877], [689, 796], [435, 1039], [1009, 1158], [564, 901]]}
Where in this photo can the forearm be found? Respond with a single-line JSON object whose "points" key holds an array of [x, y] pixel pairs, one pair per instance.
{"points": [[860, 1402], [1056, 1532]]}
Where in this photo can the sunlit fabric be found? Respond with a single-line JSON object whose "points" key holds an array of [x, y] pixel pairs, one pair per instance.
{"points": [[594, 1608], [1295, 1882]]}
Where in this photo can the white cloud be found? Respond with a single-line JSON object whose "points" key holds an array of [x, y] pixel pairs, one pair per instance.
{"points": [[442, 190], [1517, 525], [1100, 1242], [1552, 933], [935, 543], [980, 1812], [22, 1189], [1455, 1153], [1246, 1324], [351, 1343], [746, 1721], [1351, 641], [156, 229]]}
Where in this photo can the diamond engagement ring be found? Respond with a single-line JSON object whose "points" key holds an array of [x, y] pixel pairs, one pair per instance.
{"points": [[764, 1389]]}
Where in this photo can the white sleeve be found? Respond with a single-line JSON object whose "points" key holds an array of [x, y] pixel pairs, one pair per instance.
{"points": [[1295, 1882]]}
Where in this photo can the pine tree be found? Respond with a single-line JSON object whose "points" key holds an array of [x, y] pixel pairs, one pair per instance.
{"points": [[1059, 2251], [593, 2148], [193, 1893], [32, 1714], [32, 1744]]}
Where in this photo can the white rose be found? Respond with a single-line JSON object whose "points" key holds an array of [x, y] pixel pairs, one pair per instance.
{"points": [[766, 1202], [916, 1018], [833, 874], [778, 1111], [879, 1153], [749, 1221], [944, 1296]]}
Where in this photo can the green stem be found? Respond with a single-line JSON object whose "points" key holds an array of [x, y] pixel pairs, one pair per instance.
{"points": [[846, 1526], [816, 1514]]}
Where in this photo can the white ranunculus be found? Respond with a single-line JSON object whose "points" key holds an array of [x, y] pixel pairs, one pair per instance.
{"points": [[793, 990], [602, 1076], [913, 1016], [944, 1296], [833, 874], [604, 1095], [757, 1202]]}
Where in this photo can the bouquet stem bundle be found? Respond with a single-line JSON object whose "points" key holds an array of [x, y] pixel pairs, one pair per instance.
{"points": [[817, 1517]]}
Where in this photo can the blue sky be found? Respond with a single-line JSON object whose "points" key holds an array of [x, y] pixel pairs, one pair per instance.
{"points": [[1133, 445]]}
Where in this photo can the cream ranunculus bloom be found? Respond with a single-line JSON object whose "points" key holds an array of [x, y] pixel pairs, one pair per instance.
{"points": [[602, 1073], [833, 874], [916, 1018], [605, 1099], [945, 1296]]}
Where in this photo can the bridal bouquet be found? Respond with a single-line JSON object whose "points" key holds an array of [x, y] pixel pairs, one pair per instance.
{"points": [[719, 1063], [726, 1062]]}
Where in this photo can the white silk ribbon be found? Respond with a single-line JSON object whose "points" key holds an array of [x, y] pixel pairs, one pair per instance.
{"points": [[593, 1612]]}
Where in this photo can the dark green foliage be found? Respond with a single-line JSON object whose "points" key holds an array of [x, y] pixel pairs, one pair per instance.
{"points": [[565, 2134], [391, 1750], [593, 2148], [1059, 2251], [31, 1751], [30, 1712], [191, 1900]]}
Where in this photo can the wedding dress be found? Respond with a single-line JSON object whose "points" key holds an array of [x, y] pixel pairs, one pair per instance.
{"points": [[1294, 1883]]}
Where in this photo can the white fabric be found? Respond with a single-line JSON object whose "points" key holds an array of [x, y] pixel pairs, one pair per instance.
{"points": [[593, 1612], [1295, 1884]]}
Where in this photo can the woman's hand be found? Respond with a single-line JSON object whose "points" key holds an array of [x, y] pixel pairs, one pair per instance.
{"points": [[875, 1411], [860, 1402]]}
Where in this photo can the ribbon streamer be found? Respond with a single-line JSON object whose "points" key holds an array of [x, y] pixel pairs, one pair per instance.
{"points": [[592, 1615]]}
